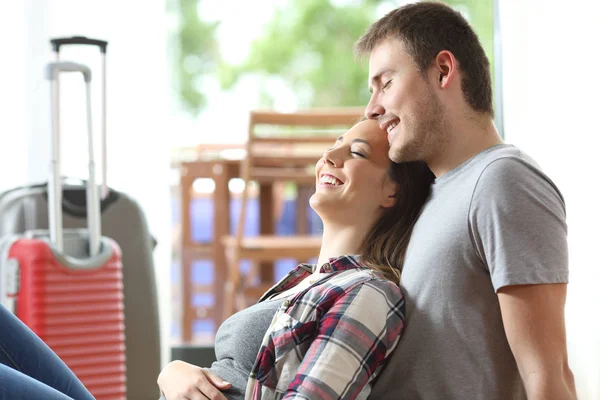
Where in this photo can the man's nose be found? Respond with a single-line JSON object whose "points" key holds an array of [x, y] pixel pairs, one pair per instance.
{"points": [[374, 109]]}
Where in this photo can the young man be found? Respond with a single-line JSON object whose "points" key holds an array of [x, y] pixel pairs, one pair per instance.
{"points": [[486, 271]]}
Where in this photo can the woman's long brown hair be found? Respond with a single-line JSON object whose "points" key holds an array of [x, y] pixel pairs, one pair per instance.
{"points": [[385, 246]]}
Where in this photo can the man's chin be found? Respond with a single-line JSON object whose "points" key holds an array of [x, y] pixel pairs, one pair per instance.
{"points": [[397, 154], [403, 154]]}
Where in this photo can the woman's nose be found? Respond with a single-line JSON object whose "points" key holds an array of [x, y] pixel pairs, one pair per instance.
{"points": [[332, 158]]}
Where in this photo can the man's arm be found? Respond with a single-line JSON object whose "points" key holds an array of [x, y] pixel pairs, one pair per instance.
{"points": [[534, 322]]}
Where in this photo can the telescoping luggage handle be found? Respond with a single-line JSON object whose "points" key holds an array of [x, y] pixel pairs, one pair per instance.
{"points": [[54, 183], [57, 43]]}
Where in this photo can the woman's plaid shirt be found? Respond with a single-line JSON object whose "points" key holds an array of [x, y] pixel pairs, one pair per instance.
{"points": [[331, 340]]}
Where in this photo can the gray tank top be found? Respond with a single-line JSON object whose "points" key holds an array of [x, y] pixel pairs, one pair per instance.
{"points": [[237, 344]]}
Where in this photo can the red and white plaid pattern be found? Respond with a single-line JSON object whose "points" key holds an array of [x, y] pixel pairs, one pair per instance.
{"points": [[330, 340]]}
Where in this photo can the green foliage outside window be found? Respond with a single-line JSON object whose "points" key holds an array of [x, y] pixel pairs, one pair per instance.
{"points": [[307, 43]]}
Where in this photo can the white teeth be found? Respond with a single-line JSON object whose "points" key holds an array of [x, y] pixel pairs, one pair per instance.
{"points": [[330, 180], [392, 126]]}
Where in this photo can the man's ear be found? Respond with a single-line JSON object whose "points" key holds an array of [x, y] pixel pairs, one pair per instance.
{"points": [[446, 66]]}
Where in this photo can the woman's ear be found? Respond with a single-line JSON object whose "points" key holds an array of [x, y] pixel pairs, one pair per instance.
{"points": [[389, 194]]}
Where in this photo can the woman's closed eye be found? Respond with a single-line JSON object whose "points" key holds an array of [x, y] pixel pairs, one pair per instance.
{"points": [[358, 153], [387, 84], [353, 149], [353, 152]]}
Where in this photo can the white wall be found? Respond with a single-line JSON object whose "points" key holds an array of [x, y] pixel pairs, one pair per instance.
{"points": [[552, 111], [138, 126], [12, 99]]}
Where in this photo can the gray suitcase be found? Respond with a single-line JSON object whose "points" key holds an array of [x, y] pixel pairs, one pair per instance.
{"points": [[26, 208]]}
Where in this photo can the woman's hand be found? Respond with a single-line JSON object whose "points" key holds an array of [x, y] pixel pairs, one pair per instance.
{"points": [[182, 381]]}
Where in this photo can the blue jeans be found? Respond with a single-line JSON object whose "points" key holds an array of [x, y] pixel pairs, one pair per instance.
{"points": [[29, 369]]}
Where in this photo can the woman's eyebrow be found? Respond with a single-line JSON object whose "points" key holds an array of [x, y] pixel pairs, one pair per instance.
{"points": [[341, 139], [361, 141]]}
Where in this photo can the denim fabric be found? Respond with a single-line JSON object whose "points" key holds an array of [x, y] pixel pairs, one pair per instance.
{"points": [[29, 369]]}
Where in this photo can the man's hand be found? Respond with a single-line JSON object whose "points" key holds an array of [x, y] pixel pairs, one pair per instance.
{"points": [[182, 381], [534, 322]]}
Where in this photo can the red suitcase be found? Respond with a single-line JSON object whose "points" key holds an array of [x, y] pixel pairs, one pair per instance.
{"points": [[66, 285]]}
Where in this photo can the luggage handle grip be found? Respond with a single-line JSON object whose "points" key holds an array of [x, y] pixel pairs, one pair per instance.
{"points": [[54, 183], [82, 40], [102, 44]]}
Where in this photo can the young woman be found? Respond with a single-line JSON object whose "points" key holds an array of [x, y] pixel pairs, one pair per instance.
{"points": [[325, 330]]}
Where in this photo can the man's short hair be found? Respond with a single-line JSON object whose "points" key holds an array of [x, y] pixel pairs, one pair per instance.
{"points": [[428, 27]]}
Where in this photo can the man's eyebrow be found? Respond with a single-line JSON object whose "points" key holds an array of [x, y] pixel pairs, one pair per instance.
{"points": [[377, 77]]}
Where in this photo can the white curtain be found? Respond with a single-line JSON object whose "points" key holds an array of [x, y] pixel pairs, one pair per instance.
{"points": [[138, 119], [551, 111]]}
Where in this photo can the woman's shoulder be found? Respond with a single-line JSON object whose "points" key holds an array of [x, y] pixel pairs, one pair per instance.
{"points": [[373, 300], [354, 271], [367, 279]]}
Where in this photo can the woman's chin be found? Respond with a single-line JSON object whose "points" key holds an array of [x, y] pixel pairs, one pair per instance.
{"points": [[326, 207], [321, 204]]}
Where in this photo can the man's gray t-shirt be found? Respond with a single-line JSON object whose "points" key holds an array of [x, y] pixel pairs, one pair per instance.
{"points": [[496, 220]]}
